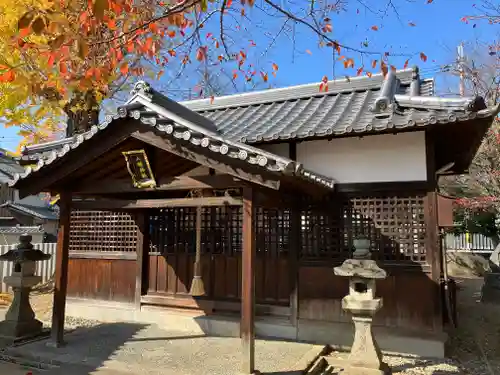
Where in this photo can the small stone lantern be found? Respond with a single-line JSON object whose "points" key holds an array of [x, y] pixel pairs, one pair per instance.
{"points": [[365, 356], [20, 319]]}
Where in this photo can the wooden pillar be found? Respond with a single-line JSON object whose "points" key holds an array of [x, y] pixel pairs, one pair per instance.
{"points": [[142, 251], [433, 248], [293, 262], [61, 272], [294, 250], [248, 283]]}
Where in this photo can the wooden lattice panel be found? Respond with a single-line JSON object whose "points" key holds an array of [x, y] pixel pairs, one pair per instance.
{"points": [[102, 231], [395, 225], [273, 231], [173, 230]]}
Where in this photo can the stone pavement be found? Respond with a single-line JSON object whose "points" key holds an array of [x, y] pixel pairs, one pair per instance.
{"points": [[131, 348]]}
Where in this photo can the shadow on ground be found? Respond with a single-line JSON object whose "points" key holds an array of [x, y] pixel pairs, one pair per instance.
{"points": [[129, 348]]}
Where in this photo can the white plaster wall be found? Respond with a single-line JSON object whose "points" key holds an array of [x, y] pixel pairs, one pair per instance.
{"points": [[376, 158], [280, 149]]}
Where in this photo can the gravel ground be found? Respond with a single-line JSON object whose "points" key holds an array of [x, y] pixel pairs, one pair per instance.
{"points": [[474, 347]]}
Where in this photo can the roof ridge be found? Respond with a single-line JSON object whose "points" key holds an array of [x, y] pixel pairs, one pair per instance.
{"points": [[406, 76], [40, 146]]}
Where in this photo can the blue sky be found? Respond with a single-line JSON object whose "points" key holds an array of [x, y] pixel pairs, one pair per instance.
{"points": [[437, 32]]}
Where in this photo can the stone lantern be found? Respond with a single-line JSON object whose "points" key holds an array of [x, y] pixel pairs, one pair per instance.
{"points": [[20, 319], [365, 357]]}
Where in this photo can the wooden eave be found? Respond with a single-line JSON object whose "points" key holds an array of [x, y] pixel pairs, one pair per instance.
{"points": [[457, 143], [80, 161]]}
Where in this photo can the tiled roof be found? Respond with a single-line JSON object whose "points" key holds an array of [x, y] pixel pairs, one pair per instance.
{"points": [[21, 230], [357, 105], [35, 152], [8, 168], [228, 124], [176, 122], [44, 213]]}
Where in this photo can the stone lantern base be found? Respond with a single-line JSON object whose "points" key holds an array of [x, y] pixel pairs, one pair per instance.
{"points": [[20, 319]]}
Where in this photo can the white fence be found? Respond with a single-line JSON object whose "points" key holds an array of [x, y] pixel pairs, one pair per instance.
{"points": [[476, 243], [45, 268]]}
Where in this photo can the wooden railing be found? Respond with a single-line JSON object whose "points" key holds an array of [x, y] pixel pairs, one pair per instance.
{"points": [[474, 243]]}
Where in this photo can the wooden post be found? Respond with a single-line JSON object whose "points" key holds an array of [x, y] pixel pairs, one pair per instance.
{"points": [[433, 251], [61, 272], [142, 249], [294, 250], [248, 283], [293, 262]]}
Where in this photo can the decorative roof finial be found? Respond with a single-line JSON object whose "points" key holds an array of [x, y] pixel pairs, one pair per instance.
{"points": [[415, 82], [386, 97], [142, 87]]}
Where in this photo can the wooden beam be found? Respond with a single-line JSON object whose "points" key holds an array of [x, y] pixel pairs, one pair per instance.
{"points": [[373, 187], [142, 248], [209, 305], [163, 143], [61, 271], [124, 204], [110, 255], [248, 283], [223, 181]]}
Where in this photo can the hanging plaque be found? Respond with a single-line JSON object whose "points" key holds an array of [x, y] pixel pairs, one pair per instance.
{"points": [[139, 168]]}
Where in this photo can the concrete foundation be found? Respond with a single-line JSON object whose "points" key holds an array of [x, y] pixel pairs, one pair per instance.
{"points": [[337, 335]]}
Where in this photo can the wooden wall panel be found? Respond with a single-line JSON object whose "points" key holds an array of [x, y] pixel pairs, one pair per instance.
{"points": [[102, 279], [408, 298], [172, 274]]}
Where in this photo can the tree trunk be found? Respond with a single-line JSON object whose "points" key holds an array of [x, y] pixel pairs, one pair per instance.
{"points": [[82, 112]]}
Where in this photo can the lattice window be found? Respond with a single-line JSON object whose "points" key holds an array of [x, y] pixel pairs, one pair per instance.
{"points": [[273, 231], [102, 231], [395, 224]]}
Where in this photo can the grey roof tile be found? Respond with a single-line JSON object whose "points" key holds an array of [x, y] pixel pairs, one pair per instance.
{"points": [[304, 112], [44, 213], [8, 168], [21, 230]]}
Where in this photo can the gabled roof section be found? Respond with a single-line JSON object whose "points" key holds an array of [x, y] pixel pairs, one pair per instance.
{"points": [[192, 130]]}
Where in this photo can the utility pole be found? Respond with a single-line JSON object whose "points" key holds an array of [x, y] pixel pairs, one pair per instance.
{"points": [[461, 65]]}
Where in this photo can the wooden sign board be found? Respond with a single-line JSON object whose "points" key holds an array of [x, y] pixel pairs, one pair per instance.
{"points": [[139, 168], [445, 211]]}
